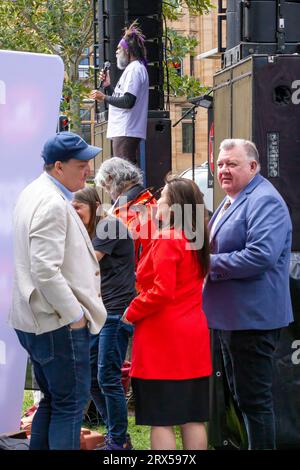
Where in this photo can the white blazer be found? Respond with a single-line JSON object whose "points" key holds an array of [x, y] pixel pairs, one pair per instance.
{"points": [[56, 271]]}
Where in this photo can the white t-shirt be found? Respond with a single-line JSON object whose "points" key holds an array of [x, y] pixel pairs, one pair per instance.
{"points": [[130, 122]]}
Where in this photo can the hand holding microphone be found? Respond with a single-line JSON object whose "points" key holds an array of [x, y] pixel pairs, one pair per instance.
{"points": [[104, 82], [104, 75]]}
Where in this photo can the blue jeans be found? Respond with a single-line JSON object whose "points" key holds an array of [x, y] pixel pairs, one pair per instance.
{"points": [[248, 358], [108, 352], [62, 369]]}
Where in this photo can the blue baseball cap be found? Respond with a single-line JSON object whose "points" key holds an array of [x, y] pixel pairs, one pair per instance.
{"points": [[65, 145]]}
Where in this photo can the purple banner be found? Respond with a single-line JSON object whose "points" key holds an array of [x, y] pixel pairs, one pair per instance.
{"points": [[30, 92]]}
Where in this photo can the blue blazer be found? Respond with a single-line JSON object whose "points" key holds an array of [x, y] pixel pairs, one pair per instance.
{"points": [[248, 285]]}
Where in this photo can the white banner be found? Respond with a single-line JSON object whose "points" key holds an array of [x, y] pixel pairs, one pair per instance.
{"points": [[30, 93]]}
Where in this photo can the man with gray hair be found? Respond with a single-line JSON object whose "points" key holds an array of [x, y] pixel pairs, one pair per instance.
{"points": [[120, 177], [246, 296], [123, 181]]}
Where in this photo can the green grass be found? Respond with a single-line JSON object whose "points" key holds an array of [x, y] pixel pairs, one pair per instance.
{"points": [[140, 435], [27, 400], [236, 428]]}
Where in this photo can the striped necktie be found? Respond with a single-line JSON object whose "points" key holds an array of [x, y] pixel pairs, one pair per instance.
{"points": [[225, 207], [219, 216]]}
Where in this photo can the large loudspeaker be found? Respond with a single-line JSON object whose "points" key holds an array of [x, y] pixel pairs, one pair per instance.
{"points": [[155, 155], [113, 15], [233, 24], [259, 99], [261, 27]]}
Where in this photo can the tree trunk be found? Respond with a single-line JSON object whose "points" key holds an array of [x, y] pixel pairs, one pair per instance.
{"points": [[75, 99]]}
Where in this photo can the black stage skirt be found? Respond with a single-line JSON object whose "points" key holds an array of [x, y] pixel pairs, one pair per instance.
{"points": [[171, 402]]}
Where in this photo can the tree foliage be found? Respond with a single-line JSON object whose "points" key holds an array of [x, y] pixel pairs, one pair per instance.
{"points": [[176, 83], [173, 8], [178, 46]]}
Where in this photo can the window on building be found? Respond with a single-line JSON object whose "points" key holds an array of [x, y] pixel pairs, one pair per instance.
{"points": [[183, 111], [86, 132], [192, 65], [96, 56], [178, 66], [187, 136], [84, 64], [85, 114], [83, 71], [85, 57]]}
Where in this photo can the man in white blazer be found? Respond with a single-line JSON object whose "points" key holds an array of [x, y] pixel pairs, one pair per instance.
{"points": [[56, 294]]}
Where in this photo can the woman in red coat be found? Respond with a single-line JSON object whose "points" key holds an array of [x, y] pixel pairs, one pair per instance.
{"points": [[171, 359]]}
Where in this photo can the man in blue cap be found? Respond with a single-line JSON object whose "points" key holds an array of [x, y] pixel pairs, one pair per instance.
{"points": [[56, 297]]}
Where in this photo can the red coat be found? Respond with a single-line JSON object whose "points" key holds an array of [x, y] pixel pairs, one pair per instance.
{"points": [[171, 337]]}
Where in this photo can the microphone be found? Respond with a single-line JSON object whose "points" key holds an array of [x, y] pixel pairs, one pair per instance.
{"points": [[105, 68]]}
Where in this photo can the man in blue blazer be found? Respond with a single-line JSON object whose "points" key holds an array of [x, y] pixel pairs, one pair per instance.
{"points": [[246, 296]]}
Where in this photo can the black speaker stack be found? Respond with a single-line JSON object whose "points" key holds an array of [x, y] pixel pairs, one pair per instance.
{"points": [[260, 27], [113, 16], [156, 155]]}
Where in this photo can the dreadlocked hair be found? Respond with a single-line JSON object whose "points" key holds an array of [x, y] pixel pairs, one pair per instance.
{"points": [[135, 40]]}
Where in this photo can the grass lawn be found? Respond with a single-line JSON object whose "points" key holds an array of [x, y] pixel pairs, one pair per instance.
{"points": [[140, 435]]}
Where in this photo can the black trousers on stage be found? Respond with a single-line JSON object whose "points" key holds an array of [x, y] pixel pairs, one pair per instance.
{"points": [[126, 147]]}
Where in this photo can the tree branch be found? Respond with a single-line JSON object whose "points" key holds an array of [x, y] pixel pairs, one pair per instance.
{"points": [[32, 25]]}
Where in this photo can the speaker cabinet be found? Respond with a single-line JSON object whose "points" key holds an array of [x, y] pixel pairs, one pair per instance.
{"points": [[261, 27], [259, 99], [155, 152]]}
